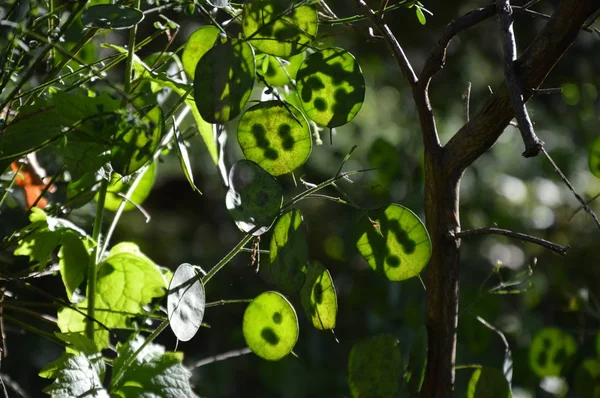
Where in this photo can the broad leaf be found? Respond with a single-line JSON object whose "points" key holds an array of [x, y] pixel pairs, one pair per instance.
{"points": [[197, 45], [394, 242], [117, 189], [279, 27], [587, 379], [331, 87], [185, 303], [288, 252], [223, 80], [76, 376], [279, 71], [375, 367], [153, 374], [254, 197], [488, 383], [550, 351], [276, 136], [127, 280], [417, 362], [318, 297], [73, 261], [111, 16], [270, 326]]}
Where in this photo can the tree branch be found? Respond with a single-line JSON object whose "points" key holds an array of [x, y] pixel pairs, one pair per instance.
{"points": [[562, 250], [481, 133]]}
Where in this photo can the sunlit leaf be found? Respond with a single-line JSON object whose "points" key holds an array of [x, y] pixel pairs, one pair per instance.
{"points": [[331, 87], [197, 45], [254, 197], [280, 72], [135, 145], [270, 326], [185, 303], [288, 252], [417, 361], [318, 297], [375, 367], [117, 189], [420, 15], [184, 159], [279, 27], [276, 136], [223, 80], [587, 379], [550, 350], [394, 242], [111, 16], [76, 376], [73, 261], [81, 191], [594, 157], [488, 383]]}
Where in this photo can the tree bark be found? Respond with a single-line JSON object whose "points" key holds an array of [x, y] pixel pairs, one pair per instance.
{"points": [[444, 168]]}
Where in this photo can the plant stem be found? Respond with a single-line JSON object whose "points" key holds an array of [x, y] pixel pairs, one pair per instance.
{"points": [[129, 62], [238, 248], [9, 187], [93, 267]]}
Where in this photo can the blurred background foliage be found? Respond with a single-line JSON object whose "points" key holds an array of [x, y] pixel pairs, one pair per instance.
{"points": [[501, 188]]}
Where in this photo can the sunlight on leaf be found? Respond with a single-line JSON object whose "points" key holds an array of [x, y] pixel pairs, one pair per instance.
{"points": [[318, 297], [551, 349], [488, 383], [76, 376], [185, 303], [270, 326], [394, 242], [279, 71], [197, 45], [276, 136], [140, 193]]}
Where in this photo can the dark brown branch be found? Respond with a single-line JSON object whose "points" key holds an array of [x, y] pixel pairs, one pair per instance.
{"points": [[480, 134], [533, 145], [437, 57], [524, 10], [562, 250]]}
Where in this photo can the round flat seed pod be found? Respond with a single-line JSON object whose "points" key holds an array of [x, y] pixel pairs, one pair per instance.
{"points": [[331, 87], [394, 242], [275, 135], [318, 297], [223, 80], [288, 252], [279, 27], [550, 351], [185, 302], [254, 197], [197, 45], [270, 326]]}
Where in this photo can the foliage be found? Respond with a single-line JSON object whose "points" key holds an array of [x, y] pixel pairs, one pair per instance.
{"points": [[264, 71]]}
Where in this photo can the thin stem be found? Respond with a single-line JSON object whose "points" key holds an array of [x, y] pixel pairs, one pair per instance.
{"points": [[93, 266], [238, 248], [223, 302], [221, 357], [9, 187], [129, 62]]}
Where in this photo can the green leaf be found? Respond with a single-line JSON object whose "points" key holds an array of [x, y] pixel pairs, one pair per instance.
{"points": [[142, 190], [394, 242], [594, 157], [375, 367], [288, 252], [254, 197], [73, 261], [417, 361], [111, 16], [276, 136], [279, 27], [550, 351], [186, 302], [76, 376], [197, 45], [587, 379], [331, 87], [223, 80], [81, 191], [136, 144], [280, 72], [127, 280], [318, 297], [488, 383], [270, 326], [77, 343], [49, 118], [218, 3], [420, 15], [184, 159], [154, 373]]}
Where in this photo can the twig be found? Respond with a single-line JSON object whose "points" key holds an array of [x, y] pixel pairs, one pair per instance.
{"points": [[562, 250], [221, 357], [568, 184], [392, 42], [526, 11], [588, 202], [531, 3], [533, 145], [546, 91], [467, 97], [437, 57]]}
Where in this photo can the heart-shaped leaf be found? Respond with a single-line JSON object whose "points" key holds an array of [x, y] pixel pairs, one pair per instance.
{"points": [[254, 197], [394, 242], [111, 16], [276, 136], [331, 87], [318, 297], [270, 326], [186, 302], [279, 27]]}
